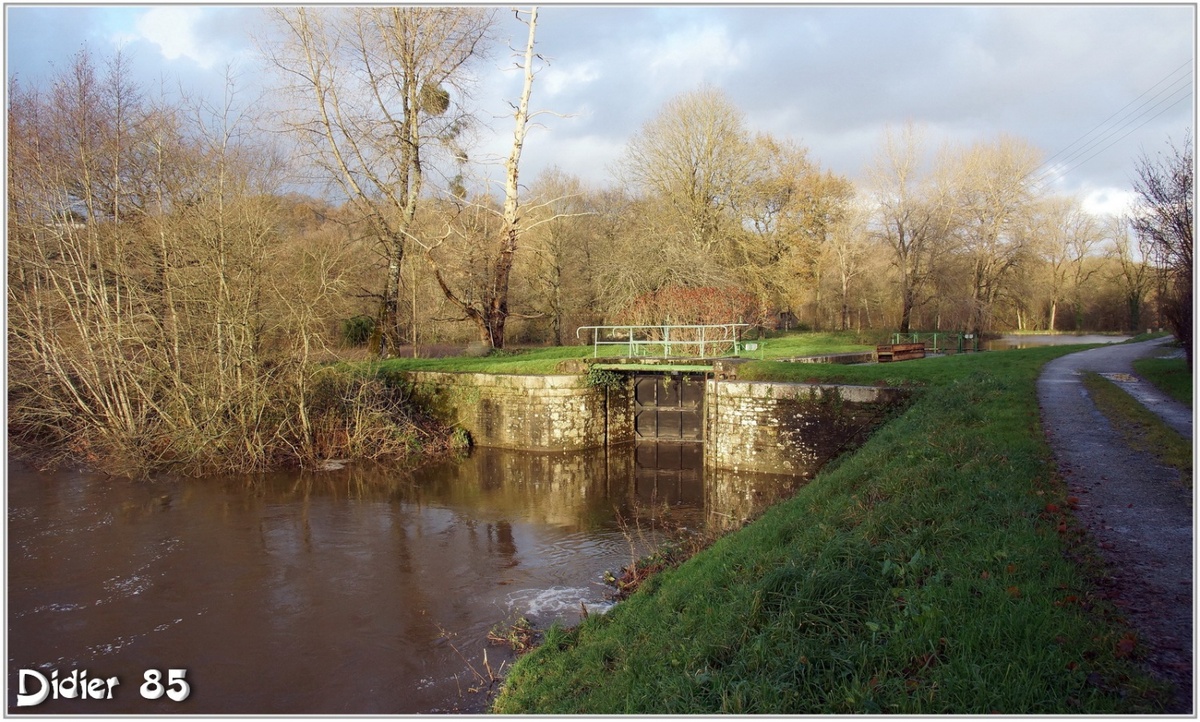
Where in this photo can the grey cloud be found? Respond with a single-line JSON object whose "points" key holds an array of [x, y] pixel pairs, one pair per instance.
{"points": [[821, 74], [39, 43], [831, 77]]}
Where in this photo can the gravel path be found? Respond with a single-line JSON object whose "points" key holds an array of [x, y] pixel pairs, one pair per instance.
{"points": [[1131, 505]]}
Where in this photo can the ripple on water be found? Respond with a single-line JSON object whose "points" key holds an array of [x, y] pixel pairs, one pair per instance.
{"points": [[139, 580], [124, 641], [110, 648], [556, 601], [571, 548], [52, 607], [20, 514]]}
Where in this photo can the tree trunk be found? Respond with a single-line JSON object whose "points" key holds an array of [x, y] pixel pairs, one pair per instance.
{"points": [[557, 321], [1135, 313], [495, 315], [391, 299], [906, 310]]}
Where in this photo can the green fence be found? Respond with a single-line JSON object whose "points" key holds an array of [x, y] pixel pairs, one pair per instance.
{"points": [[940, 341], [666, 341]]}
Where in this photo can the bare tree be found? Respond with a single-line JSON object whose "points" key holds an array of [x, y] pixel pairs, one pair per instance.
{"points": [[1066, 236], [619, 219], [1134, 276], [78, 354], [789, 210], [718, 207], [1163, 216], [377, 90], [488, 306], [691, 159], [560, 272], [991, 201], [912, 216], [152, 320], [849, 250]]}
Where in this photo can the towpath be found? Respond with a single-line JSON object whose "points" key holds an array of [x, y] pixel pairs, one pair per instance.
{"points": [[1134, 508]]}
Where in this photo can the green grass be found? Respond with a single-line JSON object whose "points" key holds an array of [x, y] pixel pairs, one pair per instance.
{"points": [[930, 371], [928, 573], [546, 360], [1140, 427], [533, 361], [1171, 375], [814, 343]]}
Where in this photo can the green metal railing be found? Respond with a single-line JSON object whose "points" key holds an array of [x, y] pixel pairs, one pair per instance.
{"points": [[940, 342], [666, 341]]}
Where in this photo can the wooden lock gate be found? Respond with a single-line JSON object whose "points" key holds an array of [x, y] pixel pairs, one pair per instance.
{"points": [[669, 407]]}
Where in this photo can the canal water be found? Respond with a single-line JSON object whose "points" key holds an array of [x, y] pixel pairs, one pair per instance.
{"points": [[363, 590], [1019, 341]]}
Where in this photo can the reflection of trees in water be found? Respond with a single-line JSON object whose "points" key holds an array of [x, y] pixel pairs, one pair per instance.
{"points": [[734, 498], [672, 485], [666, 484], [506, 544]]}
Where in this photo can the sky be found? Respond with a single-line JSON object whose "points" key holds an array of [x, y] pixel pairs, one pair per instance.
{"points": [[1092, 86]]}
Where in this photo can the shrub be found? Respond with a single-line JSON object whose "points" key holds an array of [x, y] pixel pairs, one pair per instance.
{"points": [[357, 330], [694, 306]]}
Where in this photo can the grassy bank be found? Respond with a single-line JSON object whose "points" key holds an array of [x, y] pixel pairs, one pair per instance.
{"points": [[1140, 427], [1171, 375], [526, 361], [928, 573], [789, 345]]}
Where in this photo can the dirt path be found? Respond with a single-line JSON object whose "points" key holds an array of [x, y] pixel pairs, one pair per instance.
{"points": [[1131, 505]]}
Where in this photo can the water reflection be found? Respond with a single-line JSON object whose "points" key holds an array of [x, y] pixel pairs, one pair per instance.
{"points": [[356, 591]]}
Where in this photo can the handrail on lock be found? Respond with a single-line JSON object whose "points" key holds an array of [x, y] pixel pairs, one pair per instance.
{"points": [[638, 339]]}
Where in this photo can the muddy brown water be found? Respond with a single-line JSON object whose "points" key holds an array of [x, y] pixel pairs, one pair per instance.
{"points": [[352, 591]]}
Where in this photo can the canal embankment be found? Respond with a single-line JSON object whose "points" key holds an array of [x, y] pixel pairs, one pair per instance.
{"points": [[936, 570]]}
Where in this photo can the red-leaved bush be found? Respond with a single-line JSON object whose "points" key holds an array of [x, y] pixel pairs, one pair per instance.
{"points": [[677, 305]]}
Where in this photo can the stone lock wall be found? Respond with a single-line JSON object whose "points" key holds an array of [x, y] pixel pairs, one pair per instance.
{"points": [[537, 413], [782, 428], [773, 428]]}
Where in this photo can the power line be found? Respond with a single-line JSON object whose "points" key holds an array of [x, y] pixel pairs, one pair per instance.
{"points": [[1121, 110], [1071, 161], [1118, 140], [1132, 118], [1124, 123]]}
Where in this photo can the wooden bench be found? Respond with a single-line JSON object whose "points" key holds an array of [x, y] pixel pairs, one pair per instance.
{"points": [[899, 352]]}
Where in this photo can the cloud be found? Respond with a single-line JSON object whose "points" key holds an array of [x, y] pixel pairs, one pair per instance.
{"points": [[830, 77], [570, 76], [1108, 201], [588, 157], [172, 29], [39, 42], [208, 37], [691, 55]]}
